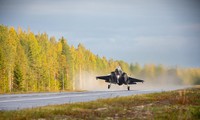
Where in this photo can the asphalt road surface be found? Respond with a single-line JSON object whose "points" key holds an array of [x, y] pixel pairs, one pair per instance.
{"points": [[21, 101]]}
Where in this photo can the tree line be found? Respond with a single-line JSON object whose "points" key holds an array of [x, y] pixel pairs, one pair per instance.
{"points": [[36, 62]]}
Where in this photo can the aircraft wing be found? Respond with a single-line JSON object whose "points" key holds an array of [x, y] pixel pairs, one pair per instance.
{"points": [[134, 80], [107, 77]]}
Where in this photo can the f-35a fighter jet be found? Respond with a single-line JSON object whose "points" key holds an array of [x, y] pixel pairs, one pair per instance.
{"points": [[119, 77]]}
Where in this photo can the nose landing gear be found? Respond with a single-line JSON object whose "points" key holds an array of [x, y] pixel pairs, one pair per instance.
{"points": [[109, 86]]}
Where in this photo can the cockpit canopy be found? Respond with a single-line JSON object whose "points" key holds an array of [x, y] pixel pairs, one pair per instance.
{"points": [[118, 70]]}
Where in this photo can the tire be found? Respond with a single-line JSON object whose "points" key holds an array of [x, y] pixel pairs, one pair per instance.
{"points": [[108, 86], [128, 88]]}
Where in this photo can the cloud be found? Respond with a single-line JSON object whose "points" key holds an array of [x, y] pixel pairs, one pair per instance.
{"points": [[161, 41], [62, 7], [133, 30]]}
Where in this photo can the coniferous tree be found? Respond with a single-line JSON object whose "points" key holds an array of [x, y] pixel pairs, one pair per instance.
{"points": [[35, 62]]}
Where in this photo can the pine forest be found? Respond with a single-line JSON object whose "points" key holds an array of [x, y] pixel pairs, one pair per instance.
{"points": [[32, 62]]}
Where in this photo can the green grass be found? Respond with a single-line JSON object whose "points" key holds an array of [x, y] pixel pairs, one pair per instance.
{"points": [[180, 104]]}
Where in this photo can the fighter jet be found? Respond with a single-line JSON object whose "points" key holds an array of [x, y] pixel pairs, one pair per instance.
{"points": [[119, 77]]}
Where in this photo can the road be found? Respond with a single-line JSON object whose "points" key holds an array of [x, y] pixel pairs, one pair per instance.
{"points": [[21, 101]]}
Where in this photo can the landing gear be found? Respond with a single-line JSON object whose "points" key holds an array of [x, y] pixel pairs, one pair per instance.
{"points": [[110, 81], [109, 86], [128, 88]]}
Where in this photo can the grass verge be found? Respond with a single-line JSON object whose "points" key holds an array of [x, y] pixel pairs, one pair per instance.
{"points": [[179, 104]]}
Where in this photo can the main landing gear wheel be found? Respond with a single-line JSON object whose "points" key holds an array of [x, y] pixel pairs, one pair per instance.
{"points": [[108, 86], [128, 87]]}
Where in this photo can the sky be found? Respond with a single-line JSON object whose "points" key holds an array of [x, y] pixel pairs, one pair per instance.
{"points": [[136, 31]]}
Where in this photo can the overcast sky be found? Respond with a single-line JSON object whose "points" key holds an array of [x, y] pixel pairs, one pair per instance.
{"points": [[144, 31]]}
